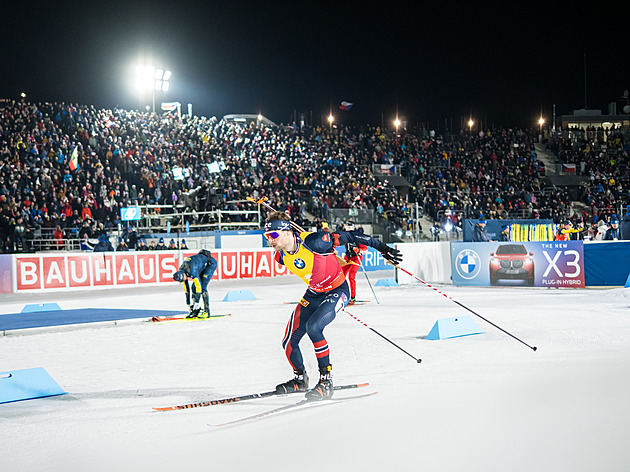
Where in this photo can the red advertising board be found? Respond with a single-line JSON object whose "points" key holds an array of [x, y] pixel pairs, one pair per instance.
{"points": [[122, 269]]}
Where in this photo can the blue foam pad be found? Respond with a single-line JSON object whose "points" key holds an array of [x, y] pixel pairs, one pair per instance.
{"points": [[76, 316], [386, 283], [627, 282], [453, 328], [16, 385], [235, 295], [36, 307]]}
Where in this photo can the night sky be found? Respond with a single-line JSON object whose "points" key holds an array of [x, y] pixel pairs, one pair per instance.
{"points": [[502, 64]]}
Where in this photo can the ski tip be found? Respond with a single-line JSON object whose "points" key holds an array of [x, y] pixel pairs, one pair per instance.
{"points": [[167, 408], [366, 384]]}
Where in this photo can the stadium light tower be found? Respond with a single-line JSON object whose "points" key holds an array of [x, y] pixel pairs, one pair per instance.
{"points": [[470, 125], [150, 78], [397, 124]]}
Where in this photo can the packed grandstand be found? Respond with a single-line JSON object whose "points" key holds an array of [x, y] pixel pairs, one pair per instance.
{"points": [[67, 170]]}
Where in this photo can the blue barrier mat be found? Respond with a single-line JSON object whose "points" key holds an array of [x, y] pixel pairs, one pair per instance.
{"points": [[81, 315]]}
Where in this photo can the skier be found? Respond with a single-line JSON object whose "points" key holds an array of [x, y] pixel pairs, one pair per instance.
{"points": [[195, 273], [354, 258], [311, 257]]}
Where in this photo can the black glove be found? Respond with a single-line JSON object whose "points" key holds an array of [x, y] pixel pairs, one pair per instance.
{"points": [[390, 254]]}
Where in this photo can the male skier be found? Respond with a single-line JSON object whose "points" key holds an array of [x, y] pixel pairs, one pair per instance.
{"points": [[195, 273], [311, 257]]}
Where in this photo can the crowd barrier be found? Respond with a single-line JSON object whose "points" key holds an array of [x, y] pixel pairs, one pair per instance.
{"points": [[552, 264], [21, 273]]}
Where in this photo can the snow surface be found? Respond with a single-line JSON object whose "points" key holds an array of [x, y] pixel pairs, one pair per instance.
{"points": [[482, 402]]}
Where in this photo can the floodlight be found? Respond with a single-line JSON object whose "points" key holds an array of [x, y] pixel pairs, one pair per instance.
{"points": [[165, 86], [167, 75], [158, 74]]}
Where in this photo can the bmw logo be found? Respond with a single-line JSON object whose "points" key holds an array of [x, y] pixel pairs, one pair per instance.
{"points": [[468, 264], [299, 263]]}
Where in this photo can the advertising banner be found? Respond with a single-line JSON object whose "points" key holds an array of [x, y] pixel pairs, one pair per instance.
{"points": [[533, 264], [372, 260]]}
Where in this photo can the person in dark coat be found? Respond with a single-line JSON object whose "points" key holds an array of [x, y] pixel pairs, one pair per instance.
{"points": [[505, 233], [479, 231], [614, 233], [195, 273], [104, 245]]}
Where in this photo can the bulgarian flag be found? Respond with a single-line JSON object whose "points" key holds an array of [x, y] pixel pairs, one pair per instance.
{"points": [[74, 159]]}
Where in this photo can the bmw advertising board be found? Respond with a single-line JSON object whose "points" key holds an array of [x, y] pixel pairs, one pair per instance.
{"points": [[531, 264]]}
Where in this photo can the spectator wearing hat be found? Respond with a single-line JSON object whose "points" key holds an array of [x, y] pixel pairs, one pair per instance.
{"points": [[505, 233], [182, 244], [479, 231], [122, 245], [171, 245], [161, 246], [613, 233], [103, 245], [142, 245]]}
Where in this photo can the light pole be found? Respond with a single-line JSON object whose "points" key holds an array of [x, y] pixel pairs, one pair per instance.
{"points": [[150, 78]]}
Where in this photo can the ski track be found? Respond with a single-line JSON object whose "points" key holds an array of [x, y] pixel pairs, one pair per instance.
{"points": [[482, 402]]}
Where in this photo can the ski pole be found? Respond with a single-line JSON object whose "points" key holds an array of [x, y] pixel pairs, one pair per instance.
{"points": [[533, 348], [385, 338], [370, 283], [263, 202]]}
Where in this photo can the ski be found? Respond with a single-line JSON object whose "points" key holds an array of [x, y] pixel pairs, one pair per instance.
{"points": [[358, 302], [292, 406], [247, 397], [159, 319]]}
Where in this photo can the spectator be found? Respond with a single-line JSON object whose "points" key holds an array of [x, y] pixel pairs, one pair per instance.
{"points": [[122, 245], [613, 233], [160, 246], [103, 245], [59, 237], [479, 230]]}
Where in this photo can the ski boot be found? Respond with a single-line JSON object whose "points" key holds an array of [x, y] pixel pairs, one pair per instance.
{"points": [[324, 388], [192, 312], [205, 312], [297, 384], [352, 301]]}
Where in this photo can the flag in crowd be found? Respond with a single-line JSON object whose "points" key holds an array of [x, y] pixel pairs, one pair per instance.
{"points": [[74, 159], [346, 106], [535, 232], [568, 168], [170, 106]]}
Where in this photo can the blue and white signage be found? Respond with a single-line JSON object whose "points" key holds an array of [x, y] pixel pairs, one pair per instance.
{"points": [[130, 214], [533, 264]]}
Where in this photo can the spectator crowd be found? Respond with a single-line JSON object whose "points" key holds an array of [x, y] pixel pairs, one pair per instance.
{"points": [[67, 170]]}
